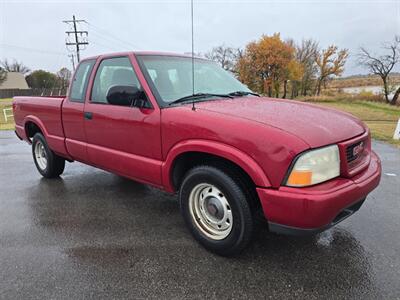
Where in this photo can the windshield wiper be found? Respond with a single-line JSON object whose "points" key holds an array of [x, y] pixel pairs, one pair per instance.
{"points": [[199, 96], [243, 93]]}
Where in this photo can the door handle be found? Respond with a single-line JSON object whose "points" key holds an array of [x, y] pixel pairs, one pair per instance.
{"points": [[88, 115]]}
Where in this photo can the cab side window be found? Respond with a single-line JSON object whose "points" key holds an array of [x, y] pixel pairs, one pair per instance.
{"points": [[80, 81], [111, 72]]}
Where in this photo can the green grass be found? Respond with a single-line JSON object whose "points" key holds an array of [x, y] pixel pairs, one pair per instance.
{"points": [[381, 118]]}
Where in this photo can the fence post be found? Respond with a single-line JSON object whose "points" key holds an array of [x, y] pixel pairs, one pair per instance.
{"points": [[5, 113], [396, 135]]}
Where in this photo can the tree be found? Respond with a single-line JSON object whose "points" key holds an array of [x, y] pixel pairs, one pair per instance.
{"points": [[294, 74], [383, 65], [330, 63], [15, 66], [64, 76], [41, 79], [226, 57], [3, 75], [306, 54], [263, 65]]}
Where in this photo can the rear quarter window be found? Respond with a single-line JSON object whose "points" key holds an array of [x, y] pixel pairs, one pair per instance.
{"points": [[80, 81]]}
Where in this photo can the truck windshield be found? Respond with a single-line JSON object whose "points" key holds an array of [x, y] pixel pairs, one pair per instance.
{"points": [[171, 77]]}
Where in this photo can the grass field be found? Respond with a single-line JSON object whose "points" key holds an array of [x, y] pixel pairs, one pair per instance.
{"points": [[381, 118], [5, 103], [353, 81]]}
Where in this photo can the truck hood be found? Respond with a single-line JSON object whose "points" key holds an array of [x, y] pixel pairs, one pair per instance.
{"points": [[315, 125]]}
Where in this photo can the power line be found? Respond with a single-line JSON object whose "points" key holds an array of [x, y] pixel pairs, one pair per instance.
{"points": [[110, 35], [110, 41], [58, 55], [31, 49], [108, 47], [79, 40]]}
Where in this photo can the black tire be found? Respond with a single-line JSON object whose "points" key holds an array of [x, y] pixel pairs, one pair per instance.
{"points": [[55, 164], [239, 205]]}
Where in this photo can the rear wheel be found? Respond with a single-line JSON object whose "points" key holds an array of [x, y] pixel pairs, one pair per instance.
{"points": [[49, 164], [216, 209]]}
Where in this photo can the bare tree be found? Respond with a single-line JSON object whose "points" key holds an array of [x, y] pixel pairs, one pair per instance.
{"points": [[14, 66], [330, 63], [383, 65], [293, 72], [64, 76], [306, 54], [3, 75], [225, 56]]}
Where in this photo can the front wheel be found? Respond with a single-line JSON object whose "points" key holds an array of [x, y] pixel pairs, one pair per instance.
{"points": [[216, 209], [49, 164]]}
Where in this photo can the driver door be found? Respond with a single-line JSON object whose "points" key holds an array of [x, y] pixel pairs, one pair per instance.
{"points": [[121, 139]]}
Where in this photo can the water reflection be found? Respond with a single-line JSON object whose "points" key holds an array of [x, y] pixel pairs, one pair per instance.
{"points": [[103, 220]]}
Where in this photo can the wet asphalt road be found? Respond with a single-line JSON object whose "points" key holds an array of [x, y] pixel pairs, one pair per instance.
{"points": [[92, 234]]}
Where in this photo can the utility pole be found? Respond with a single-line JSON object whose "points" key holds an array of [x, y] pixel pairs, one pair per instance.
{"points": [[80, 36], [72, 60]]}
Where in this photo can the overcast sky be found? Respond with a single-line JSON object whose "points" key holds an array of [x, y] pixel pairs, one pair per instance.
{"points": [[33, 32]]}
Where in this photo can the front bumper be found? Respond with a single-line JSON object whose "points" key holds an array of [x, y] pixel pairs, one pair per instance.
{"points": [[313, 209]]}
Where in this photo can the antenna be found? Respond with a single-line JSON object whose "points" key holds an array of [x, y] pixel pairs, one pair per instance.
{"points": [[191, 7]]}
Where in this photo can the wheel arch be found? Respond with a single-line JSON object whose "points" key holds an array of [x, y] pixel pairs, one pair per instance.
{"points": [[32, 125], [183, 153]]}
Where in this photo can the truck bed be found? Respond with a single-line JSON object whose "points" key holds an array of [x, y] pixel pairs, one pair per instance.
{"points": [[44, 111]]}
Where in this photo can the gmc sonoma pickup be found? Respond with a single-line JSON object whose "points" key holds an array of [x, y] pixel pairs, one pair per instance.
{"points": [[227, 151]]}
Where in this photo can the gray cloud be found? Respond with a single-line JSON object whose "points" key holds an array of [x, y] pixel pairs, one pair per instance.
{"points": [[165, 25]]}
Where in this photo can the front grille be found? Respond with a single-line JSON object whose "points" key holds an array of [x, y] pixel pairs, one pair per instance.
{"points": [[355, 154], [350, 155]]}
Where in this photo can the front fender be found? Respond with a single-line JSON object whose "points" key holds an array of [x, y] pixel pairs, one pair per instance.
{"points": [[240, 158]]}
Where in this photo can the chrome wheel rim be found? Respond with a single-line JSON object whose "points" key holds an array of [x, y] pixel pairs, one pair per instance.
{"points": [[40, 155], [211, 211]]}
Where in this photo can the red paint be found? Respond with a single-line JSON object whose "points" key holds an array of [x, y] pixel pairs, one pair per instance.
{"points": [[73, 124], [316, 207], [261, 135]]}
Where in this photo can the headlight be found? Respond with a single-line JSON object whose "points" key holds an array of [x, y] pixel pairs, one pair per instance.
{"points": [[315, 166]]}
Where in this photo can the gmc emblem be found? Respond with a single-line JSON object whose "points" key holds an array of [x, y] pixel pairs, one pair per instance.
{"points": [[358, 149]]}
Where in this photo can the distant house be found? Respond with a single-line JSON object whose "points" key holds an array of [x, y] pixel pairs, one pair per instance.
{"points": [[14, 80]]}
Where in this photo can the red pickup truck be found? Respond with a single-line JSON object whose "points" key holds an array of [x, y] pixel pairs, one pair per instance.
{"points": [[227, 151]]}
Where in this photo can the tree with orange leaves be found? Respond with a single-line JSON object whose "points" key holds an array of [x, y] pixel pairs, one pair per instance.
{"points": [[330, 63], [264, 64]]}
